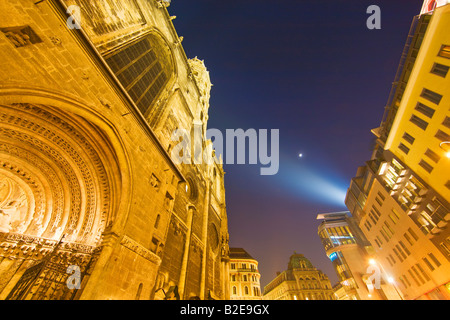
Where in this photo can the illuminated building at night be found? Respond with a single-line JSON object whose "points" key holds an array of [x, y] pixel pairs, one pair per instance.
{"points": [[401, 197], [91, 204], [244, 276], [350, 254], [301, 281]]}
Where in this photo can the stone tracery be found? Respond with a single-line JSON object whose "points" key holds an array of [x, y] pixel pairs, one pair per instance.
{"points": [[59, 162]]}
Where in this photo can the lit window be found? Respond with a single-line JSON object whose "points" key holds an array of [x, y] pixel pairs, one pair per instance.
{"points": [[445, 52]]}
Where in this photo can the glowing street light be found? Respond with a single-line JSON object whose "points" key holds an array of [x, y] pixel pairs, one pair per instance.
{"points": [[447, 152]]}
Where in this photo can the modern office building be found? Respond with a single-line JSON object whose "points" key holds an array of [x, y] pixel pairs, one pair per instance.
{"points": [[301, 281], [400, 198], [352, 257], [93, 204], [244, 276]]}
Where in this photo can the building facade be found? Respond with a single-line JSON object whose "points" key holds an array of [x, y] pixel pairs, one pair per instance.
{"points": [[352, 257], [301, 281], [93, 204], [400, 198], [244, 276]]}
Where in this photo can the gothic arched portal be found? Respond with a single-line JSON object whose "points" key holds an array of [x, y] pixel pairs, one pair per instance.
{"points": [[59, 190]]}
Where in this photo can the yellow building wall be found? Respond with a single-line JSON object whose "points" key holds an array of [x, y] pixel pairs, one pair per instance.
{"points": [[437, 35]]}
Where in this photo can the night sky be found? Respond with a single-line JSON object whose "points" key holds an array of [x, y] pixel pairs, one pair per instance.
{"points": [[313, 70]]}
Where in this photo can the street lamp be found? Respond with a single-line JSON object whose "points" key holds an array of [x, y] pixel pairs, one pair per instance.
{"points": [[391, 281], [447, 152]]}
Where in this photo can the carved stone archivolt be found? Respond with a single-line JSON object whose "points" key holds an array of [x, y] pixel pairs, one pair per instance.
{"points": [[53, 176]]}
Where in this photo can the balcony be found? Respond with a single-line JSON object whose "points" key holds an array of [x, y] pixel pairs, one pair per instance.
{"points": [[246, 270]]}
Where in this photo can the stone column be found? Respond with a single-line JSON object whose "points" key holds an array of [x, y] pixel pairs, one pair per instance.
{"points": [[187, 245], [205, 240]]}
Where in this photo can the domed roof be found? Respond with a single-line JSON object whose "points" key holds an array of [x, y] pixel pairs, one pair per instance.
{"points": [[299, 261]]}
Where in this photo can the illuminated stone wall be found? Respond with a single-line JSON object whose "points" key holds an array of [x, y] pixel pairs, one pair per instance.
{"points": [[86, 178]]}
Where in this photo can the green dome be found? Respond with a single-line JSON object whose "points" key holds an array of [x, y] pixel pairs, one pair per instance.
{"points": [[299, 261]]}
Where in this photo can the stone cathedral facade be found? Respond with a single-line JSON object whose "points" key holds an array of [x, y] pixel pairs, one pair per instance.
{"points": [[92, 205]]}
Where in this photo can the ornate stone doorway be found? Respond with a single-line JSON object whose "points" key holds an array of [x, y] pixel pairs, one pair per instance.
{"points": [[58, 177]]}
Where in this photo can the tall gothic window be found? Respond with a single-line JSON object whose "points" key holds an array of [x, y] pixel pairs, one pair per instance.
{"points": [[142, 71]]}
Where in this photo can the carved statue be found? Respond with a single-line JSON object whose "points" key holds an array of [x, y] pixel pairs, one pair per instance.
{"points": [[12, 200]]}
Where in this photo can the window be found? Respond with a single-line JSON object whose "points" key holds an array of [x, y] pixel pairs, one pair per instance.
{"points": [[422, 124], [415, 276], [392, 258], [234, 290], [440, 70], [388, 229], [436, 261], [408, 138], [429, 265], [398, 256], [158, 217], [446, 122], [425, 110], [233, 266], [403, 148], [408, 238], [378, 244], [432, 155], [425, 165], [246, 290], [431, 96], [384, 235], [422, 272], [444, 52], [393, 217], [380, 202], [441, 135], [403, 281], [413, 234], [140, 72], [404, 248], [445, 246]]}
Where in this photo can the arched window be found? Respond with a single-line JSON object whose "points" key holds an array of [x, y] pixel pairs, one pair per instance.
{"points": [[246, 290], [234, 290], [143, 68], [158, 217], [139, 291]]}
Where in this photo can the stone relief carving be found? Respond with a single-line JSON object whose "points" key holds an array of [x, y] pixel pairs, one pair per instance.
{"points": [[140, 250], [13, 203], [49, 138]]}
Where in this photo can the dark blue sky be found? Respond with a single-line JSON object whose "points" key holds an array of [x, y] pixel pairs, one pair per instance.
{"points": [[313, 70]]}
